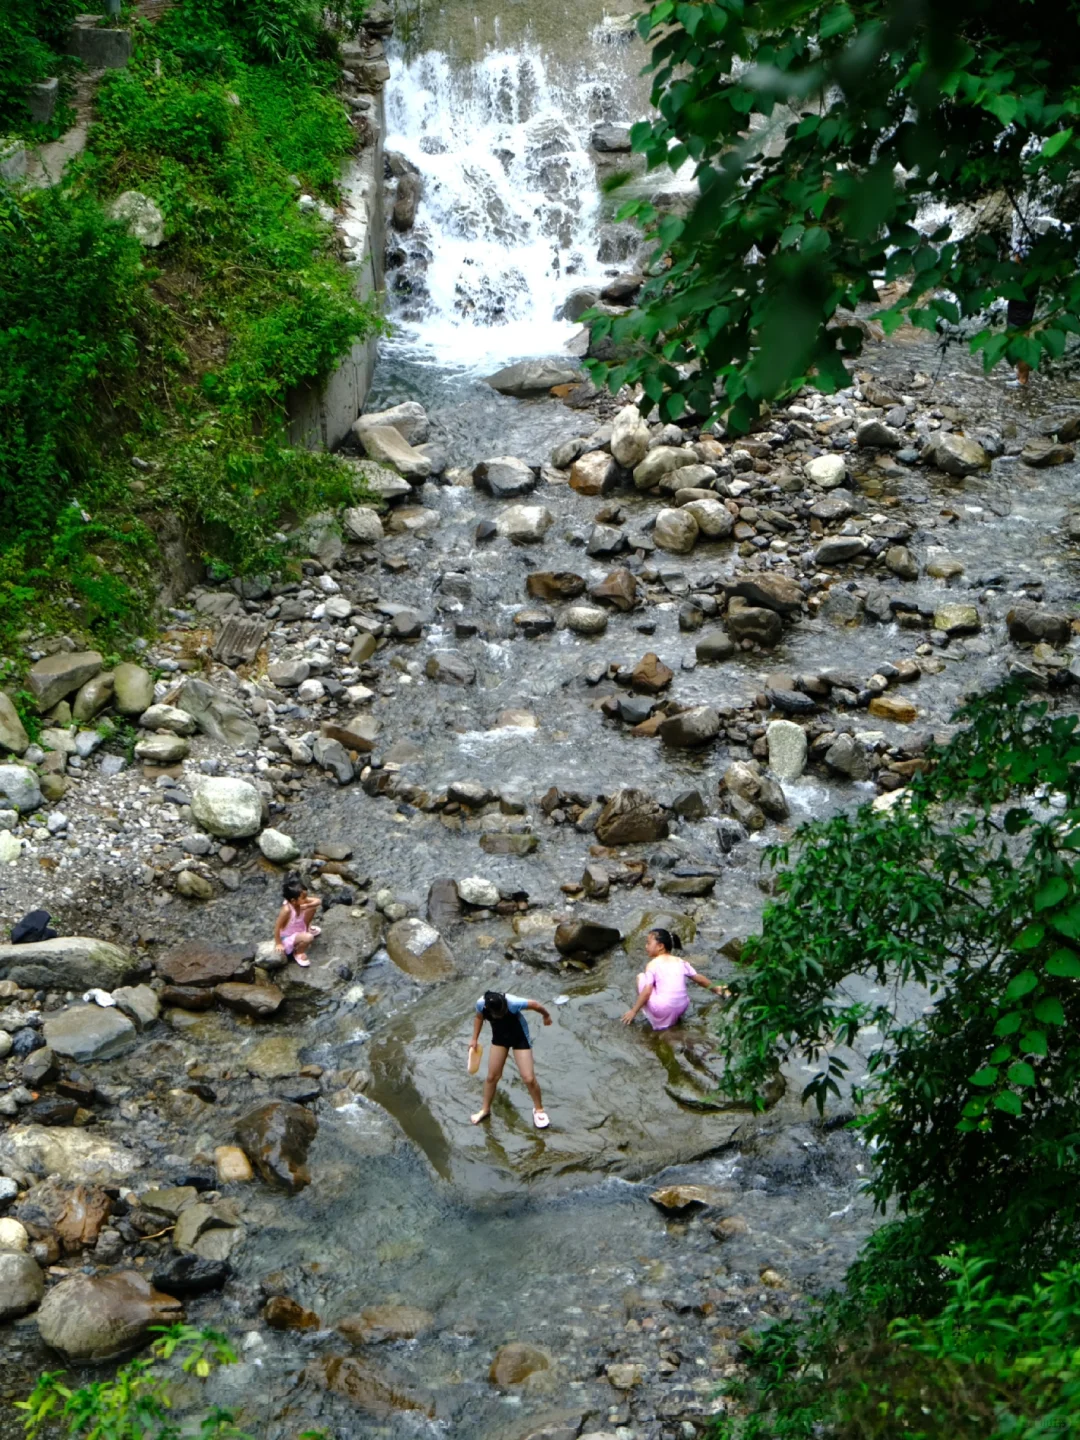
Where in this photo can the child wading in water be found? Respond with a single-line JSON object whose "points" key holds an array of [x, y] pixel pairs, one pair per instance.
{"points": [[295, 929], [509, 1031], [662, 984]]}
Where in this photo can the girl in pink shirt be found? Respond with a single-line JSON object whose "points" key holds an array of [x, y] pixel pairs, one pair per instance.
{"points": [[662, 984]]}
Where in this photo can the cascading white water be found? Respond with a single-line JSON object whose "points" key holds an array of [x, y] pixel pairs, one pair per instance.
{"points": [[507, 223]]}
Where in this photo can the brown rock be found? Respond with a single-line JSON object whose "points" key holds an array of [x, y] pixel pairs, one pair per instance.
{"points": [[378, 1323], [94, 1318], [585, 938], [187, 997], [369, 1387], [199, 963], [891, 707], [729, 1226], [618, 589], [651, 675], [681, 1199], [76, 1214], [353, 736], [283, 1313], [771, 592], [594, 473], [553, 586], [631, 817], [515, 1362], [258, 1001]]}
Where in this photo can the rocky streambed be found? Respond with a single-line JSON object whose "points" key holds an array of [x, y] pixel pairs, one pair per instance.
{"points": [[551, 691]]}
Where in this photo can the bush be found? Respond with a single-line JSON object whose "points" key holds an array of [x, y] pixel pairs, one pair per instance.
{"points": [[31, 31]]}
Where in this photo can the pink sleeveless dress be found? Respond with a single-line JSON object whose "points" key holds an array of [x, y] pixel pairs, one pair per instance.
{"points": [[294, 926], [669, 1001]]}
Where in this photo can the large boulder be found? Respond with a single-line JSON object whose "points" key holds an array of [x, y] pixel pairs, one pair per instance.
{"points": [[89, 1032], [22, 1285], [68, 962], [50, 679], [363, 524], [631, 817], [90, 1319], [533, 377], [13, 735], [504, 477], [141, 217], [199, 962], [417, 948], [384, 445], [772, 592], [691, 729], [676, 531], [585, 938], [133, 689], [218, 717], [787, 749], [19, 787], [957, 455], [228, 808], [1030, 624], [276, 1138], [409, 419], [629, 437]]}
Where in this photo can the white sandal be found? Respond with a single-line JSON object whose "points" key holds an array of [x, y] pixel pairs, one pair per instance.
{"points": [[540, 1119]]}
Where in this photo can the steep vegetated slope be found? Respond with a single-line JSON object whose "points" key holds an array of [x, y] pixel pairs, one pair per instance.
{"points": [[137, 383]]}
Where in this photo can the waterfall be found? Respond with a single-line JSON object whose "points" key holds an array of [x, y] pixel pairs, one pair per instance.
{"points": [[509, 215]]}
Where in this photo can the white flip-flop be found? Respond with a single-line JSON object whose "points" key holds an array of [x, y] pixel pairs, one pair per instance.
{"points": [[540, 1119]]}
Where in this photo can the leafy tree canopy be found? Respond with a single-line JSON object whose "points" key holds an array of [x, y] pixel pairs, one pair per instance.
{"points": [[825, 138]]}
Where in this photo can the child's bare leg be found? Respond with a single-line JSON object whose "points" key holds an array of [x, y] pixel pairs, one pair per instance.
{"points": [[300, 945], [496, 1060], [523, 1059]]}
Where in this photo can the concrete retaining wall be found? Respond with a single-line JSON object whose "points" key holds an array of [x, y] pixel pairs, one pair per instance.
{"points": [[320, 416]]}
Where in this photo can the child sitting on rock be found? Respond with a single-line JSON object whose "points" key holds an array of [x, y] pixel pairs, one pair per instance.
{"points": [[295, 928]]}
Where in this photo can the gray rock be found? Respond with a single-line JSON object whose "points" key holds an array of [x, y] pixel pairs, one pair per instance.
{"points": [[676, 530], [586, 619], [902, 563], [847, 757], [577, 302], [838, 549], [475, 890], [714, 520], [745, 780], [771, 592], [834, 508], [629, 437], [22, 1284], [69, 962], [288, 674], [12, 734], [691, 729], [384, 445], [787, 749], [875, 435], [92, 698], [450, 667], [504, 477], [194, 886], [659, 462], [409, 419], [1030, 624], [50, 679], [525, 524], [751, 622], [363, 524], [957, 455], [141, 216], [167, 717], [133, 689], [228, 808], [827, 471], [714, 646], [218, 717], [631, 817], [610, 138], [331, 755], [162, 749], [19, 787], [138, 1001], [95, 1318], [605, 541], [89, 1032], [279, 848], [73, 1154], [532, 377]]}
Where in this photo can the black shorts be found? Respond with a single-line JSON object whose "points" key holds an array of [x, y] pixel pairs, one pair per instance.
{"points": [[510, 1033], [1020, 313]]}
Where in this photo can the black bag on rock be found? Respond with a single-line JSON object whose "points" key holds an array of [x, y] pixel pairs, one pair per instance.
{"points": [[32, 928]]}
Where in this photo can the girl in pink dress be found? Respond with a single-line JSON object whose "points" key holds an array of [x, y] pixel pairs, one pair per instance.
{"points": [[295, 928], [662, 984]]}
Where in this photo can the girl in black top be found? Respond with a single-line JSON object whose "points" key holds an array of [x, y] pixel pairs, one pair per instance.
{"points": [[509, 1031]]}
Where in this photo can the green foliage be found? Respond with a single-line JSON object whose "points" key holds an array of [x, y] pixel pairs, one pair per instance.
{"points": [[184, 355], [991, 1365], [970, 891], [31, 32], [974, 100]]}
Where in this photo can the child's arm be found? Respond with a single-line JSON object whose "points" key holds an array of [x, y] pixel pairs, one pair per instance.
{"points": [[704, 980], [540, 1010], [641, 1001], [283, 915], [477, 1026]]}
